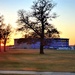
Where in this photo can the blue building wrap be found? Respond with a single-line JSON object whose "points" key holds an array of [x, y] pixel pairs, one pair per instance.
{"points": [[54, 43]]}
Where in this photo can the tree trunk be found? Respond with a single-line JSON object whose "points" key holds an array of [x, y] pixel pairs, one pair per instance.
{"points": [[42, 38], [5, 45], [41, 46]]}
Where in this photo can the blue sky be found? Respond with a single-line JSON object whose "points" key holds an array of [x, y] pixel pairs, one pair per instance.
{"points": [[65, 23]]}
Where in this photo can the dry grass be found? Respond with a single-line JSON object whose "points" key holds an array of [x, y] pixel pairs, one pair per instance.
{"points": [[52, 60]]}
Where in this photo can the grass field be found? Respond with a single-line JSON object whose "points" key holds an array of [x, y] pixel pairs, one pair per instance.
{"points": [[31, 60]]}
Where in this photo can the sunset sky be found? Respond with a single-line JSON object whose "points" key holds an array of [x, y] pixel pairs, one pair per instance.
{"points": [[65, 9]]}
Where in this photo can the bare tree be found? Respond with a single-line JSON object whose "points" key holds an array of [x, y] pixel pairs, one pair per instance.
{"points": [[1, 30], [38, 20], [4, 32]]}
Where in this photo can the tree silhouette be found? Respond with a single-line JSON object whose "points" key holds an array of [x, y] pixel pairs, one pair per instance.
{"points": [[4, 32], [38, 20], [1, 30]]}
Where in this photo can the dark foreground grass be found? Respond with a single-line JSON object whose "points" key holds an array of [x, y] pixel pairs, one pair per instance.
{"points": [[31, 60]]}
